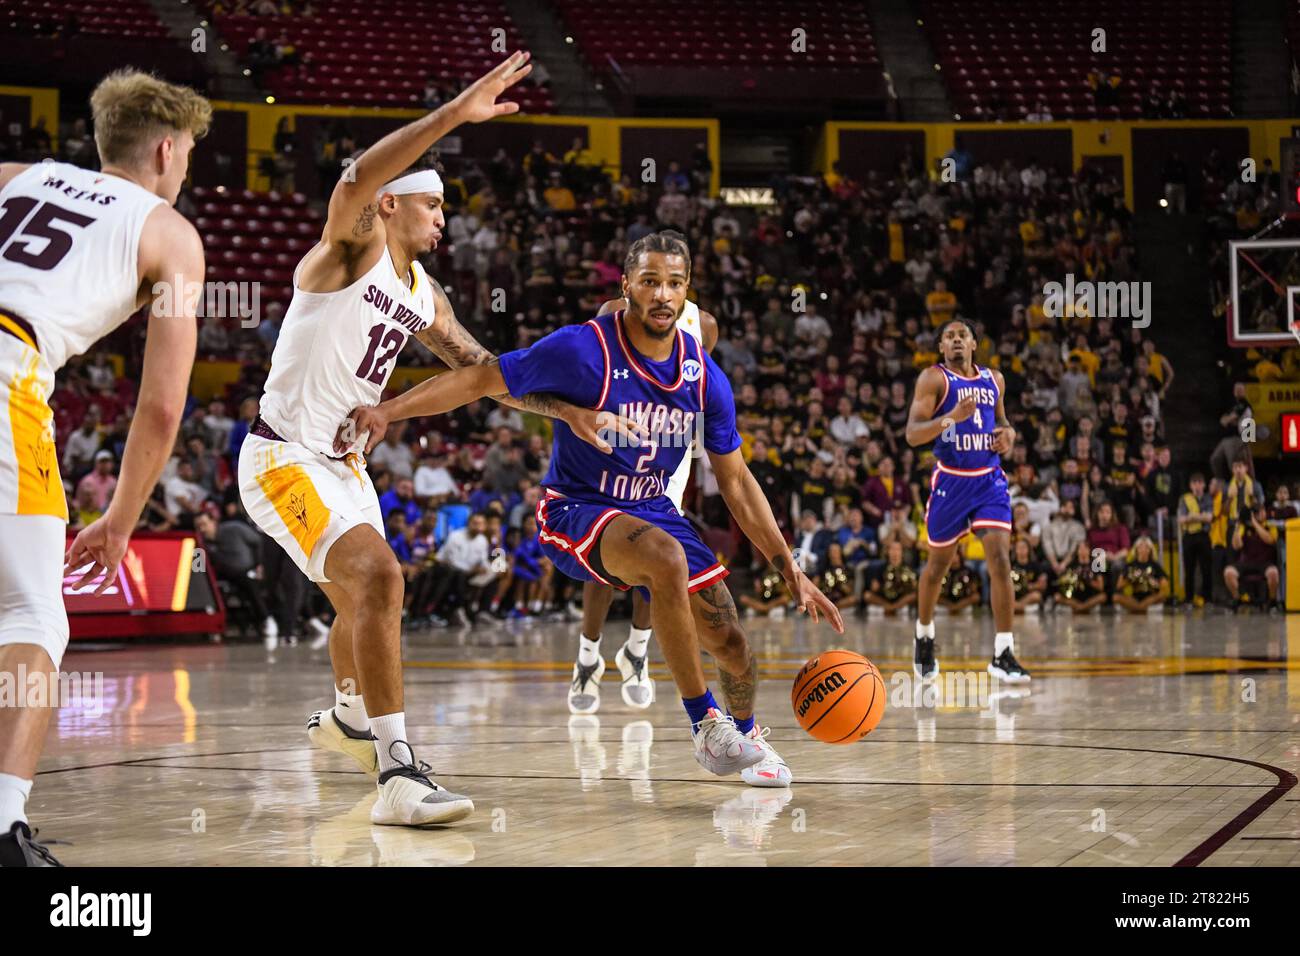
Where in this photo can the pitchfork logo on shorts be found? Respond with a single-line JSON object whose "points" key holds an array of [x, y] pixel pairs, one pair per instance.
{"points": [[298, 508], [691, 370]]}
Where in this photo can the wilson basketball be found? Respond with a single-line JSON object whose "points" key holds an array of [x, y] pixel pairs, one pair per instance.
{"points": [[838, 697]]}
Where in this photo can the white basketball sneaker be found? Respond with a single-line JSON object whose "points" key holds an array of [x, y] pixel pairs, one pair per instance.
{"points": [[327, 732], [408, 797], [771, 771], [584, 691], [638, 689], [722, 749]]}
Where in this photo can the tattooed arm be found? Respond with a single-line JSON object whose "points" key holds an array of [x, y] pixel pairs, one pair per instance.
{"points": [[352, 206], [748, 505], [452, 342]]}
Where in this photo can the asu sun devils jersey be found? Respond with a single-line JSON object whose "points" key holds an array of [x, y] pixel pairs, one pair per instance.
{"points": [[70, 263], [972, 447], [595, 366], [336, 350]]}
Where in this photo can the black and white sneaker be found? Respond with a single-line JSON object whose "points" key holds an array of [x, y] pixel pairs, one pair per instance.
{"points": [[924, 664], [584, 688], [409, 797], [638, 688], [1005, 667], [18, 847]]}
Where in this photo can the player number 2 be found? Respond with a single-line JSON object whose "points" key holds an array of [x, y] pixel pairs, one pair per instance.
{"points": [[374, 367], [643, 463]]}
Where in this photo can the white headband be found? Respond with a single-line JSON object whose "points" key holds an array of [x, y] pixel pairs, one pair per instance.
{"points": [[424, 181]]}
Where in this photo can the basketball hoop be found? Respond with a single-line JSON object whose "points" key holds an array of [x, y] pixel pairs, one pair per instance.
{"points": [[1292, 322]]}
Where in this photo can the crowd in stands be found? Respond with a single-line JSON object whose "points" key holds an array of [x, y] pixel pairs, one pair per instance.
{"points": [[828, 305]]}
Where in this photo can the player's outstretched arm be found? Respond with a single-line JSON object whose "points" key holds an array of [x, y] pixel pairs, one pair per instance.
{"points": [[435, 396], [451, 390], [352, 207], [452, 342], [748, 505], [172, 268]]}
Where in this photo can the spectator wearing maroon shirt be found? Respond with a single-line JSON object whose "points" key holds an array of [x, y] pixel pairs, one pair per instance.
{"points": [[1109, 536], [883, 492], [1254, 544]]}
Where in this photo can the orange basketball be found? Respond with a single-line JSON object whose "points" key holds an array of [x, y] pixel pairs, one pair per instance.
{"points": [[838, 697]]}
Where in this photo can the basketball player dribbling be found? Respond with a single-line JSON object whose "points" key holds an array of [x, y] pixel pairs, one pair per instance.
{"points": [[609, 518], [359, 293], [958, 406], [637, 688], [82, 251]]}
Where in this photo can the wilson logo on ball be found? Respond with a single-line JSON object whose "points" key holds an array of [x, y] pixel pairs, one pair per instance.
{"points": [[832, 682]]}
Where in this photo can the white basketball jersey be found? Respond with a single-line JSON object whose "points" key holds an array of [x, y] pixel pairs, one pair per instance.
{"points": [[336, 351], [69, 254], [688, 322]]}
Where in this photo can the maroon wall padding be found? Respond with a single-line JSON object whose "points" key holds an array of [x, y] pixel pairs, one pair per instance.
{"points": [[663, 144], [880, 151], [1052, 148], [1152, 147], [228, 137]]}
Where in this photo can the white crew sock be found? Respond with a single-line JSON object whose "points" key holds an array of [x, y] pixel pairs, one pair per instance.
{"points": [[350, 710], [924, 630], [388, 730], [638, 640], [588, 650], [13, 800], [1002, 642]]}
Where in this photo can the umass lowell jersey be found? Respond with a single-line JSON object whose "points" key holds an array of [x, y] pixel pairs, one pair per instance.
{"points": [[968, 489], [593, 365], [972, 451]]}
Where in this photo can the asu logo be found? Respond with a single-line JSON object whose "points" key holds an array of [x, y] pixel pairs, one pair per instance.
{"points": [[43, 455], [692, 370], [298, 508]]}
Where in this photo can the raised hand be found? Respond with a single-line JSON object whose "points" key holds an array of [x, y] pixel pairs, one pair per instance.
{"points": [[478, 103]]}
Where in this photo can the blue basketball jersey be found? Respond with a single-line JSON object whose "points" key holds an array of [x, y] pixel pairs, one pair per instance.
{"points": [[594, 365], [969, 447]]}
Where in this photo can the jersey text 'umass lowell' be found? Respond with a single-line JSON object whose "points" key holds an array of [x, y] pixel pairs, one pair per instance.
{"points": [[595, 366], [968, 445]]}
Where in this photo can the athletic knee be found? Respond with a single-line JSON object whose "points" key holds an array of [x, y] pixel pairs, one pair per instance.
{"points": [[666, 565], [731, 646], [379, 580]]}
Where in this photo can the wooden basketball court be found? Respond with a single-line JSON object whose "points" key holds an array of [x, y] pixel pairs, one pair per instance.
{"points": [[1170, 739]]}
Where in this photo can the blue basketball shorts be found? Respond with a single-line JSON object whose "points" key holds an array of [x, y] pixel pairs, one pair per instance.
{"points": [[570, 530], [965, 501]]}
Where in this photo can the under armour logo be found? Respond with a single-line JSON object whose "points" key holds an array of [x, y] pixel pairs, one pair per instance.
{"points": [[621, 373]]}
